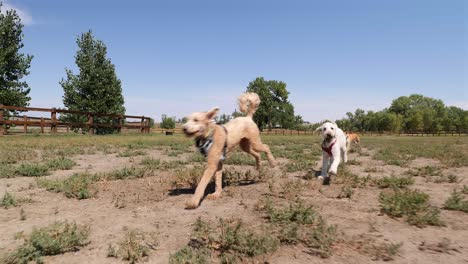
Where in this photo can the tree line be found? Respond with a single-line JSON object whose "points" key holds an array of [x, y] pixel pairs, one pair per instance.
{"points": [[414, 113]]}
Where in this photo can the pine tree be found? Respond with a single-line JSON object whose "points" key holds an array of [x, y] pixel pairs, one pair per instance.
{"points": [[14, 65], [96, 87]]}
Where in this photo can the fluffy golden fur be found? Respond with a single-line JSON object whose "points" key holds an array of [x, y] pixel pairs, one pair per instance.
{"points": [[352, 137], [241, 131]]}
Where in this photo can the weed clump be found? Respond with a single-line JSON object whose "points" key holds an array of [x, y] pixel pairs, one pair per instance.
{"points": [[413, 205], [55, 239]]}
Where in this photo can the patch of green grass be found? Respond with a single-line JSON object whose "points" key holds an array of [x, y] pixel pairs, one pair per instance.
{"points": [[187, 177], [413, 205], [425, 171], [55, 239], [456, 202], [134, 247], [392, 157], [8, 201], [76, 186], [197, 157], [191, 255], [354, 162], [60, 163], [393, 182], [240, 158], [321, 238], [233, 177], [125, 173], [298, 222], [32, 169], [7, 171], [230, 241], [346, 192], [300, 165], [131, 153]]}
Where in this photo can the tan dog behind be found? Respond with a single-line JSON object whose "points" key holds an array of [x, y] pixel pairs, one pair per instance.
{"points": [[241, 131], [352, 138]]}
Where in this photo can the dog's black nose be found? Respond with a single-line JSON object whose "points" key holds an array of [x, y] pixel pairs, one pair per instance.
{"points": [[185, 129]]}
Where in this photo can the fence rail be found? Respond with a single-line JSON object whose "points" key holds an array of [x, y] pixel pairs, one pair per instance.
{"points": [[120, 122]]}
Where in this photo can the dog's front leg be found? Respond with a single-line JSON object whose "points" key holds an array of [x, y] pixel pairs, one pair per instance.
{"points": [[219, 183], [325, 161], [335, 161], [200, 191]]}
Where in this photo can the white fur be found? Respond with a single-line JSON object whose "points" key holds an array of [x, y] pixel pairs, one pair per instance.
{"points": [[333, 133]]}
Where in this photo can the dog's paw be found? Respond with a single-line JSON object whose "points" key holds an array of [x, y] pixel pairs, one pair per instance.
{"points": [[332, 172], [191, 204], [213, 196], [320, 178]]}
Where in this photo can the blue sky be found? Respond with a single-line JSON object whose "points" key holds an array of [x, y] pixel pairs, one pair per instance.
{"points": [[176, 57]]}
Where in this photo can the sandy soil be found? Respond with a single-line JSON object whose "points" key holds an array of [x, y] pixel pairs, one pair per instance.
{"points": [[147, 205]]}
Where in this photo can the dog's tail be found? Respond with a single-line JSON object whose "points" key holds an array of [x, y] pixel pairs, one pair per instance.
{"points": [[248, 103]]}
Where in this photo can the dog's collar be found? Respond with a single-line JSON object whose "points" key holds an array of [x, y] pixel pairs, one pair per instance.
{"points": [[328, 149], [204, 144]]}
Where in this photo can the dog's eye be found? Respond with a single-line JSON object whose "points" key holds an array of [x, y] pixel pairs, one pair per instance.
{"points": [[332, 128], [196, 120]]}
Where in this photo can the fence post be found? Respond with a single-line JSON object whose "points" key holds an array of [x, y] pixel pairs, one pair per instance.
{"points": [[148, 125], [142, 124], [42, 125], [2, 130], [119, 123], [25, 126], [90, 124], [53, 117]]}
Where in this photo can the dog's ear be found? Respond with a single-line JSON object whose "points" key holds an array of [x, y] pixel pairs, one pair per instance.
{"points": [[212, 113]]}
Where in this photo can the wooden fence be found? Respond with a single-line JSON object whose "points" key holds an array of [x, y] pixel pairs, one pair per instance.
{"points": [[53, 123]]}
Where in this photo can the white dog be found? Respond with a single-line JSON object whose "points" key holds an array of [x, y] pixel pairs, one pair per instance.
{"points": [[333, 146]]}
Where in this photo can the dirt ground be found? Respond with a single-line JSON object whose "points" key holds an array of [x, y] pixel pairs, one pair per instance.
{"points": [[151, 205]]}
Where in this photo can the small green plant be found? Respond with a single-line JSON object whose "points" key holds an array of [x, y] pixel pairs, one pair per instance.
{"points": [[456, 202], [187, 177], [76, 186], [231, 241], [125, 173], [7, 171], [353, 162], [425, 171], [346, 192], [190, 255], [393, 182], [60, 164], [134, 247], [321, 238], [411, 204], [131, 153], [8, 201], [55, 239], [32, 169], [240, 158]]}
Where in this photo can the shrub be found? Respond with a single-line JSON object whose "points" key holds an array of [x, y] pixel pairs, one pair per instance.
{"points": [[456, 202], [60, 164], [393, 182], [167, 122], [76, 186], [32, 169], [134, 247], [8, 201], [57, 238], [413, 205]]}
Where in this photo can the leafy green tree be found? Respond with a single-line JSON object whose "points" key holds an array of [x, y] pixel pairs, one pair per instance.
{"points": [[96, 87], [167, 122], [275, 108], [14, 65]]}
